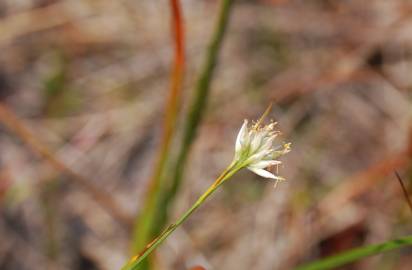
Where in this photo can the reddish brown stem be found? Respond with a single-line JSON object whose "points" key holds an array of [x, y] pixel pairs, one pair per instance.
{"points": [[405, 192]]}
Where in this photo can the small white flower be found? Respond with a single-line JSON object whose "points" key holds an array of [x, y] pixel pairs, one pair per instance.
{"points": [[254, 149]]}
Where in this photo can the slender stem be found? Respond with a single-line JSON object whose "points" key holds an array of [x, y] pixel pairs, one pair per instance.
{"points": [[136, 260], [404, 190]]}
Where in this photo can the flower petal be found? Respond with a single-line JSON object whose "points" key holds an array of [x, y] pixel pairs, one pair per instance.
{"points": [[268, 142], [241, 136], [257, 140], [260, 155], [264, 164], [265, 174]]}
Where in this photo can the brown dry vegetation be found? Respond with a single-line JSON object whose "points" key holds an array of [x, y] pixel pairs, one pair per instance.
{"points": [[82, 89]]}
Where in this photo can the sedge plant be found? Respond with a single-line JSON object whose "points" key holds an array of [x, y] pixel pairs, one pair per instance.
{"points": [[164, 185], [254, 150]]}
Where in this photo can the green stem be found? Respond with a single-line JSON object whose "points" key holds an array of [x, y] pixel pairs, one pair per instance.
{"points": [[356, 254], [133, 264]]}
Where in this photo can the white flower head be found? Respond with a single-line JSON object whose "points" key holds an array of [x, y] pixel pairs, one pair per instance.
{"points": [[255, 148]]}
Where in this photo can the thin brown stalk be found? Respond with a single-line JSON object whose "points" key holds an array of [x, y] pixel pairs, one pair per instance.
{"points": [[172, 105], [16, 126], [405, 192]]}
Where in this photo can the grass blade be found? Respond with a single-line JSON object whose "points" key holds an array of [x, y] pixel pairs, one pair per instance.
{"points": [[357, 254]]}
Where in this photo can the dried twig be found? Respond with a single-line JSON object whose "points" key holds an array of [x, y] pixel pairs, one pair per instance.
{"points": [[405, 192]]}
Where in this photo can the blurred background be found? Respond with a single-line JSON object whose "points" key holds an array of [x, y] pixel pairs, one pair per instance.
{"points": [[83, 90]]}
